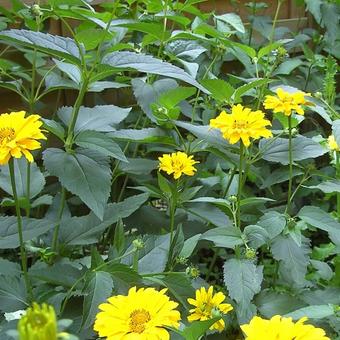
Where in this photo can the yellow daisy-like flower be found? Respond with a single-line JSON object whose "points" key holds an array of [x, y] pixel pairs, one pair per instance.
{"points": [[141, 315], [242, 124], [208, 305], [18, 135], [281, 328], [177, 163], [287, 102], [332, 144]]}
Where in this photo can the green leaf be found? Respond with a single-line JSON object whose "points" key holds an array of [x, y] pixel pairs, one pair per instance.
{"points": [[9, 268], [37, 179], [147, 94], [155, 29], [100, 142], [150, 65], [220, 89], [273, 222], [173, 97], [13, 294], [189, 246], [79, 174], [318, 218], [9, 237], [55, 275], [147, 135], [232, 20], [228, 237], [243, 279], [242, 90], [98, 288], [272, 303], [294, 258], [312, 312], [257, 235], [327, 187], [87, 229], [102, 118], [197, 329], [54, 127], [50, 44], [302, 148]]}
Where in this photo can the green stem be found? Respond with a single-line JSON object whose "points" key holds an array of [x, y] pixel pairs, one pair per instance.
{"points": [[231, 177], [75, 112], [239, 189], [135, 260], [268, 73], [23, 254], [172, 218], [60, 215], [165, 10], [28, 188], [290, 159], [337, 158], [212, 263], [251, 24], [199, 91]]}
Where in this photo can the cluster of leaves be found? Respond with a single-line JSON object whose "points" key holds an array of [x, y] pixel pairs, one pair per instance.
{"points": [[95, 188]]}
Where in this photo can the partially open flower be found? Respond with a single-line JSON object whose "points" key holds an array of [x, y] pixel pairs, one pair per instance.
{"points": [[39, 323]]}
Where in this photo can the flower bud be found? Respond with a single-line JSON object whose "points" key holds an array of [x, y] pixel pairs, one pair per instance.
{"points": [[192, 272], [138, 244], [36, 11], [318, 95], [250, 253], [232, 199], [216, 313], [181, 260], [39, 323]]}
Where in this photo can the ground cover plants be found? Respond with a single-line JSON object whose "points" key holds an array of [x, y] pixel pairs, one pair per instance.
{"points": [[168, 172]]}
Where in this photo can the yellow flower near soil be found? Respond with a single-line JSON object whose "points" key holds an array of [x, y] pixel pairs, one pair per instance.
{"points": [[332, 144], [141, 315], [242, 124], [208, 305], [177, 163], [19, 135], [287, 102], [281, 328]]}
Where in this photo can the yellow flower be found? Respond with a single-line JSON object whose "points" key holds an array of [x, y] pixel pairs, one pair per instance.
{"points": [[281, 328], [141, 315], [332, 144], [18, 135], [177, 163], [242, 124], [208, 305], [39, 323], [287, 102]]}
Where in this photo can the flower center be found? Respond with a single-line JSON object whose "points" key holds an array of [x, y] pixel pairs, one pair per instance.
{"points": [[6, 134], [240, 124], [138, 319]]}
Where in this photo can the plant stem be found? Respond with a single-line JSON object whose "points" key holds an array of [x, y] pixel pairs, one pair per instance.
{"points": [[337, 158], [165, 10], [60, 215], [212, 263], [20, 233], [172, 218], [290, 158], [199, 91], [251, 23], [75, 112], [239, 189]]}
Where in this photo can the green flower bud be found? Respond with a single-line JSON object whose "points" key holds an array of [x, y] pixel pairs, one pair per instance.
{"points": [[181, 260], [232, 199], [192, 272], [35, 10], [39, 323], [318, 95], [250, 253], [216, 313], [138, 244]]}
